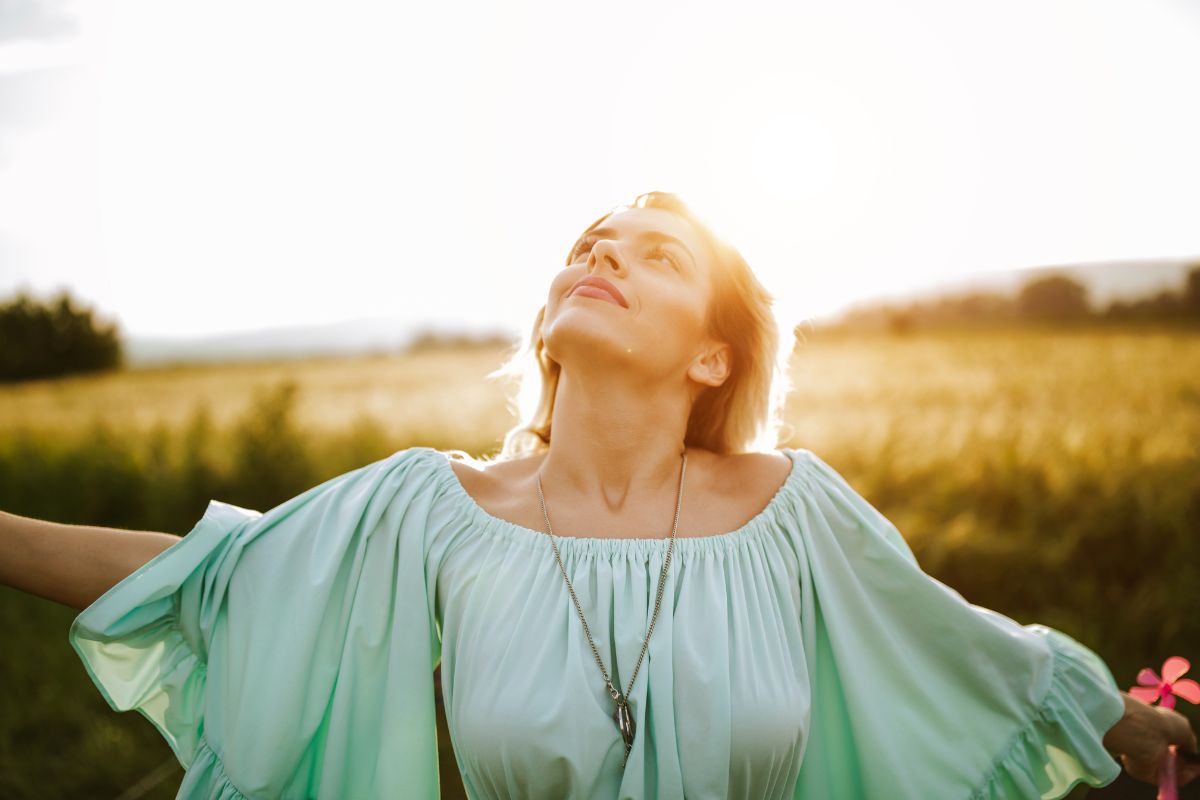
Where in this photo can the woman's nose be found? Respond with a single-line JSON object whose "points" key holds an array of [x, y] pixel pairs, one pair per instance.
{"points": [[608, 255]]}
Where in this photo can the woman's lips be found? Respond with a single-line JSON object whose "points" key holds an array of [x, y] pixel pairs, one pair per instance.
{"points": [[587, 290], [603, 285]]}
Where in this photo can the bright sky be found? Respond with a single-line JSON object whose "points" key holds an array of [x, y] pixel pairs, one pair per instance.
{"points": [[200, 168]]}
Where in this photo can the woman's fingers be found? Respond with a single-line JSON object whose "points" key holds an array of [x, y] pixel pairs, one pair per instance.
{"points": [[1141, 769], [1150, 770], [1181, 732]]}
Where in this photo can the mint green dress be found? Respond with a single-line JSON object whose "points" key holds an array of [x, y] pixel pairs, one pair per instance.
{"points": [[290, 654]]}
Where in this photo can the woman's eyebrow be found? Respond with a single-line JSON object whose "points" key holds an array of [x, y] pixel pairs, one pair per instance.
{"points": [[657, 236]]}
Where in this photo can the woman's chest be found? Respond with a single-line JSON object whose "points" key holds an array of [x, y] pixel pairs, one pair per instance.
{"points": [[720, 692]]}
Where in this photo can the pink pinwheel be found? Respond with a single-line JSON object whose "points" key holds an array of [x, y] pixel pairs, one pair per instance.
{"points": [[1169, 686]]}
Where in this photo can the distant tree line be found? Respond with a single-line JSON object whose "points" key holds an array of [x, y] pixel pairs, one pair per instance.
{"points": [[61, 336], [1055, 299], [57, 337], [431, 340]]}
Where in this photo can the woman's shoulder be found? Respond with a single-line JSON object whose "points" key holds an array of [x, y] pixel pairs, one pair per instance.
{"points": [[759, 468], [490, 481]]}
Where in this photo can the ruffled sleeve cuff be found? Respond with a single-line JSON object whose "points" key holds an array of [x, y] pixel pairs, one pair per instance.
{"points": [[1062, 745], [135, 647]]}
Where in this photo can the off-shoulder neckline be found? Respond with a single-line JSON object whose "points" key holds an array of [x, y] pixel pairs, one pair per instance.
{"points": [[485, 519]]}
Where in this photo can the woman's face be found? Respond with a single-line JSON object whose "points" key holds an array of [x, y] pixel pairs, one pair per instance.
{"points": [[662, 270]]}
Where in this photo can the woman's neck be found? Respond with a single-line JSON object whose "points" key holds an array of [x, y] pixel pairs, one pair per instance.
{"points": [[614, 443]]}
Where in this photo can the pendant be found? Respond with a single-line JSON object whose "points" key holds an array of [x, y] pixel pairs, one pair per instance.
{"points": [[624, 721]]}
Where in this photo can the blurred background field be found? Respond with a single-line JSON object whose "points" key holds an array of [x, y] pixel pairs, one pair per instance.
{"points": [[1051, 474]]}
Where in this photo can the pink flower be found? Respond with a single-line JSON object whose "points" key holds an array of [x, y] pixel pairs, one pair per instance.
{"points": [[1165, 689]]}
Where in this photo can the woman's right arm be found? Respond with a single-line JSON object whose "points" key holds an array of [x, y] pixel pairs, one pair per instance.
{"points": [[71, 564]]}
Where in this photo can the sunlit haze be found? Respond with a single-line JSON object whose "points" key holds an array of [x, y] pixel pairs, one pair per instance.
{"points": [[200, 168]]}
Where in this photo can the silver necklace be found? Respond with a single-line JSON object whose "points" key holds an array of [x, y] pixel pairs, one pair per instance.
{"points": [[621, 715]]}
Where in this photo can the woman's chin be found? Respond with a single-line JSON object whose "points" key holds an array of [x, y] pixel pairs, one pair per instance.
{"points": [[579, 341]]}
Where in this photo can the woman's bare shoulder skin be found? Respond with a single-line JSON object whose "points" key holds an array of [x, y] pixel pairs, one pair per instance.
{"points": [[750, 479], [489, 482]]}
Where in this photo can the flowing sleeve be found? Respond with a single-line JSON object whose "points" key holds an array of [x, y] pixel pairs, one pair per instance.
{"points": [[918, 693], [287, 653]]}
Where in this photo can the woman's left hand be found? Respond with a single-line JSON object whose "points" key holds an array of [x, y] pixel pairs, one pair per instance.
{"points": [[1140, 739]]}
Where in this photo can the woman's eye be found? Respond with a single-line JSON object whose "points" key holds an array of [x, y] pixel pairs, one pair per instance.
{"points": [[670, 258], [582, 249], [585, 247]]}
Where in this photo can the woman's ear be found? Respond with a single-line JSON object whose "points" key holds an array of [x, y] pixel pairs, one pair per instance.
{"points": [[712, 366]]}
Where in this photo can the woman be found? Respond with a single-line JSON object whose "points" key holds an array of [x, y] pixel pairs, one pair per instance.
{"points": [[639, 597]]}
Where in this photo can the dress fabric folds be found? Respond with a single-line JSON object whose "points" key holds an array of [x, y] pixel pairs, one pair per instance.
{"points": [[290, 654]]}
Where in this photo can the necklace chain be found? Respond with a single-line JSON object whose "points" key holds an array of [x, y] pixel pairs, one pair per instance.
{"points": [[624, 721]]}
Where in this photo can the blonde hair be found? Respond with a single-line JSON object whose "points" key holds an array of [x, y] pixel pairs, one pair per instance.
{"points": [[744, 413]]}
